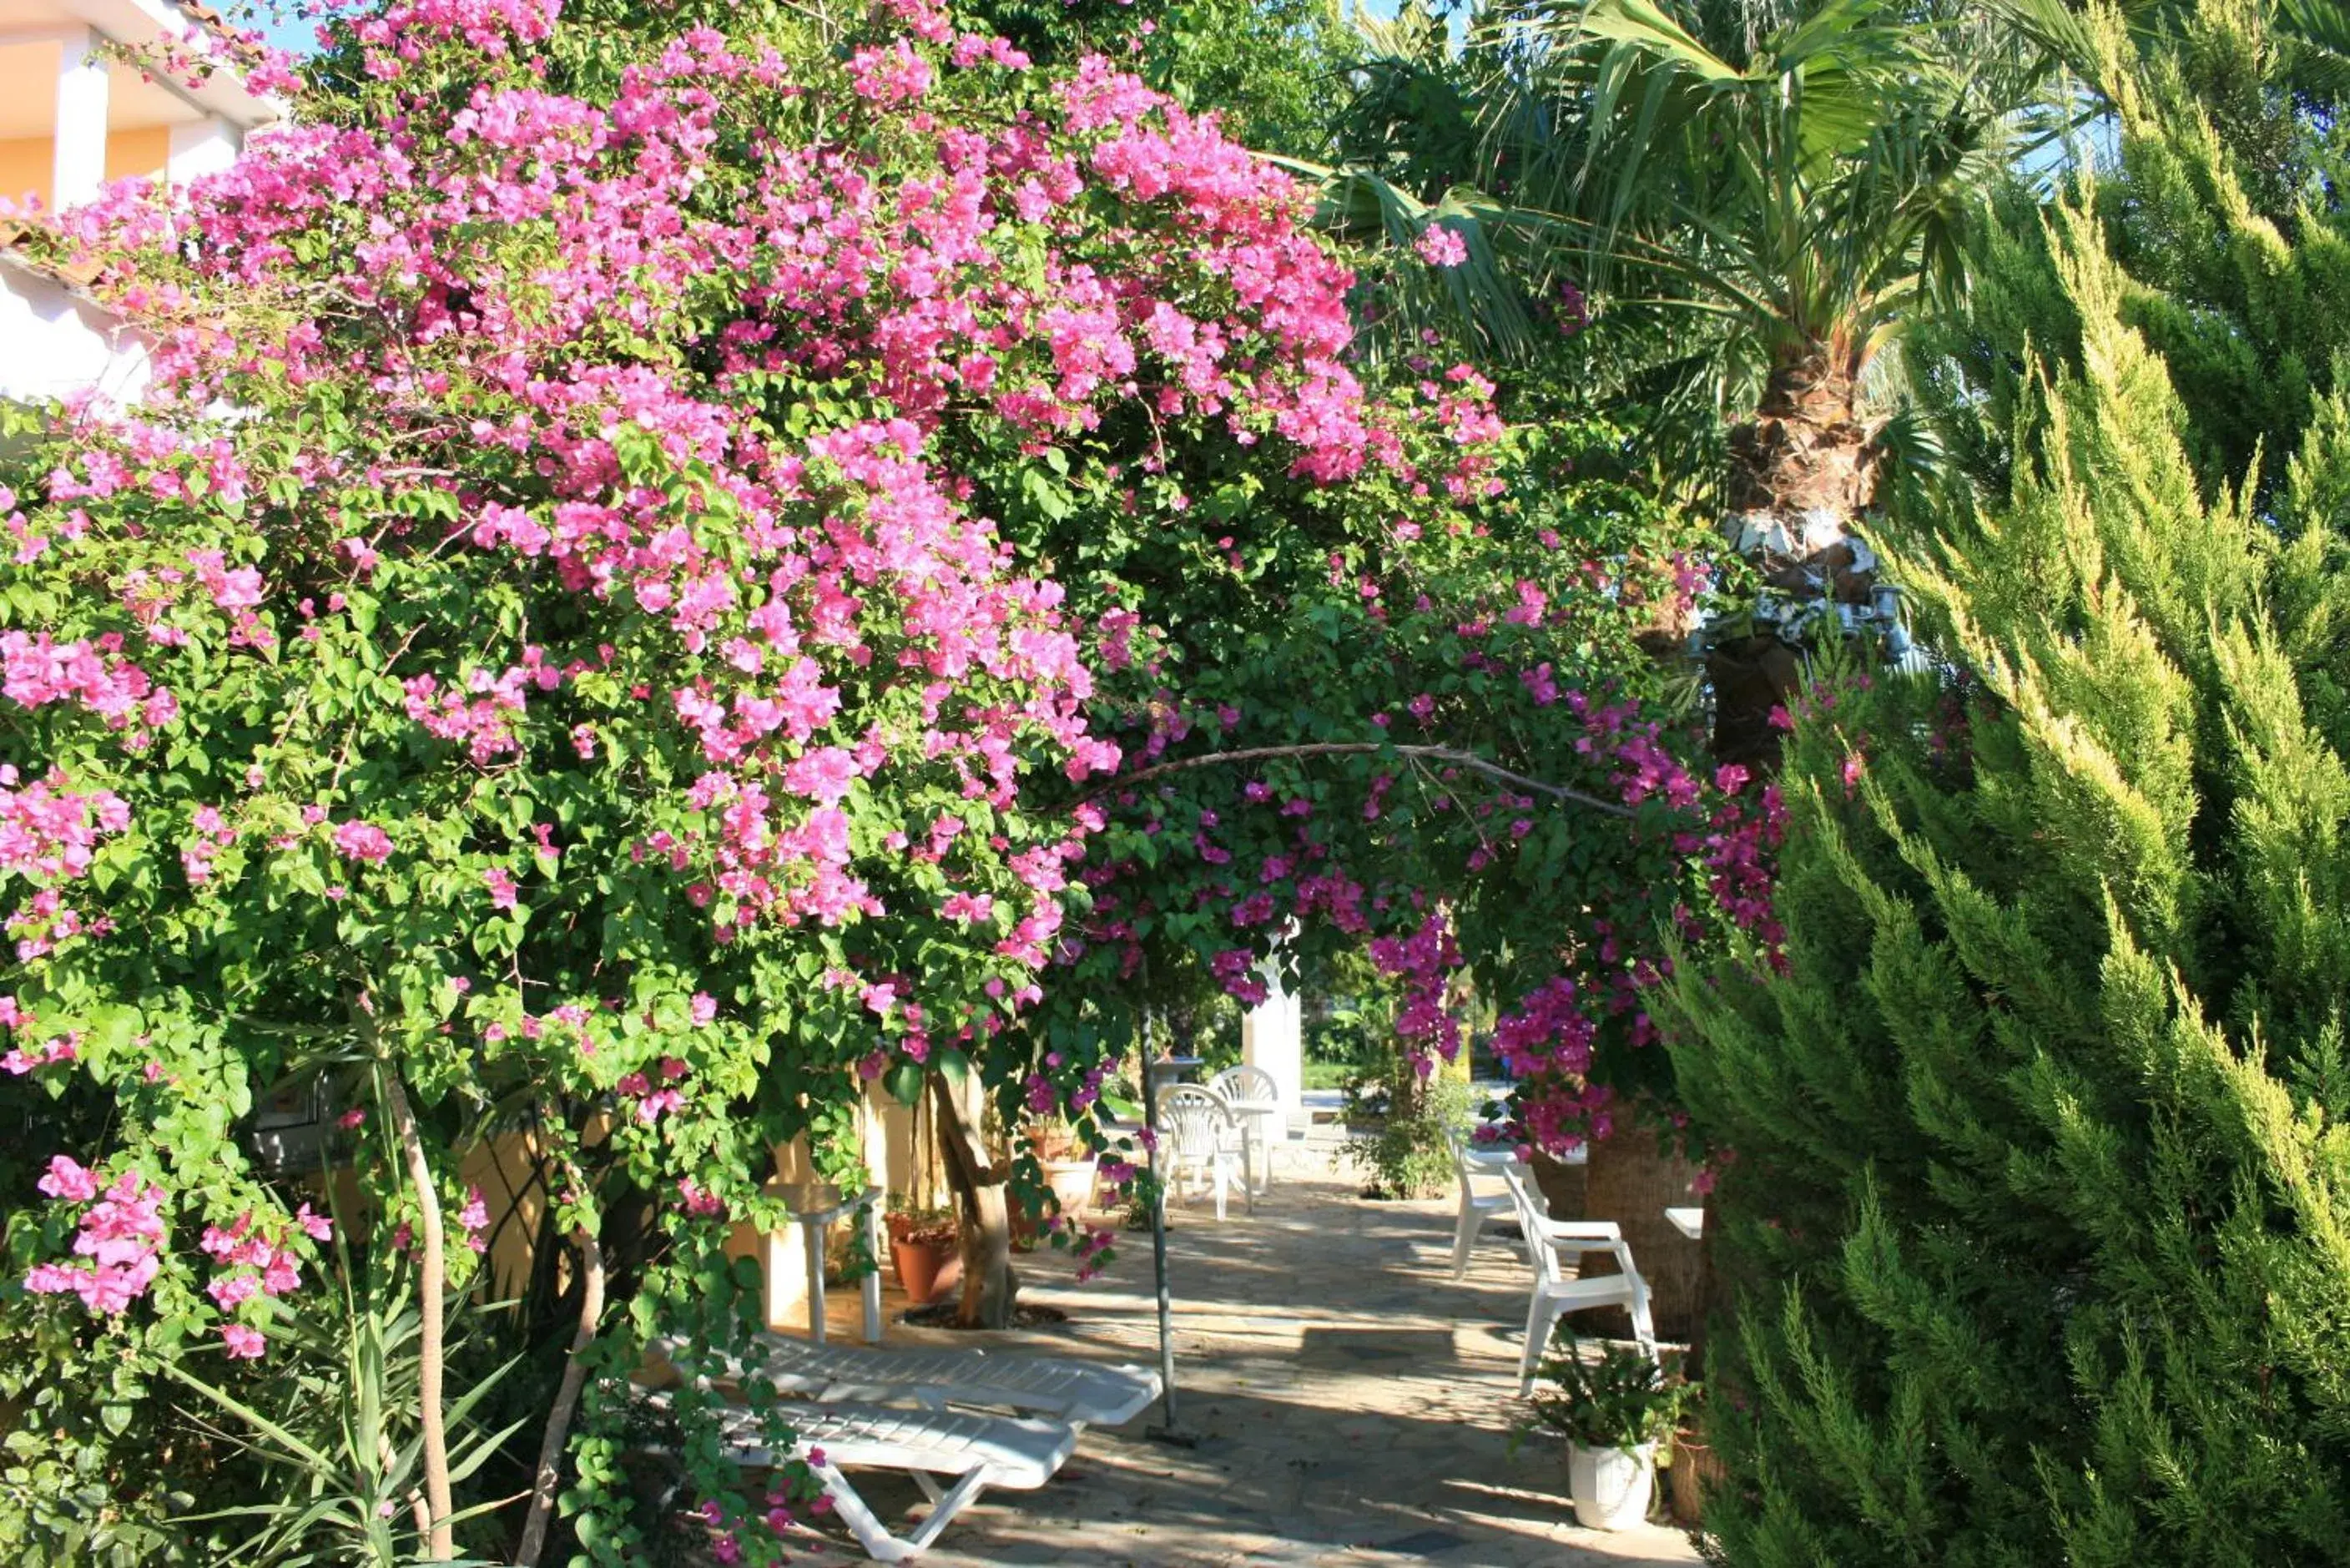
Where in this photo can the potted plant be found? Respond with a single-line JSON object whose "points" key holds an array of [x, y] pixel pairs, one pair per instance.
{"points": [[1694, 1469], [1611, 1410], [925, 1248], [1068, 1165], [925, 1240]]}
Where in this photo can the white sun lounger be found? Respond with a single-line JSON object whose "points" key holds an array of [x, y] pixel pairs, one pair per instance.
{"points": [[1080, 1393], [974, 1452]]}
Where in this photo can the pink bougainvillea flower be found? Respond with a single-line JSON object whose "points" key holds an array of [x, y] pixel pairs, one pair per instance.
{"points": [[1440, 245], [68, 1180], [362, 841]]}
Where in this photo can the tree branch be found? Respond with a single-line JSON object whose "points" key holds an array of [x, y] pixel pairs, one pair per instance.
{"points": [[430, 1289], [566, 1400], [1452, 755]]}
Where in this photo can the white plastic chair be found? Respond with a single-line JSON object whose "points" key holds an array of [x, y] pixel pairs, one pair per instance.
{"points": [[1472, 1166], [1556, 1295], [1255, 1099], [1200, 1140]]}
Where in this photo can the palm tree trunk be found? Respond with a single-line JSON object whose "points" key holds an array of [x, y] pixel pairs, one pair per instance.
{"points": [[1801, 471], [1802, 468], [1629, 1179]]}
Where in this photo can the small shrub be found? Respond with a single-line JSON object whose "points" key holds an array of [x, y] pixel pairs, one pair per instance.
{"points": [[1406, 1153], [1620, 1400]]}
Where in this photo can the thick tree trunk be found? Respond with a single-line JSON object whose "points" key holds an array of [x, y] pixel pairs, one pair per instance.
{"points": [[990, 1288], [1565, 1192], [1628, 1181], [1801, 471]]}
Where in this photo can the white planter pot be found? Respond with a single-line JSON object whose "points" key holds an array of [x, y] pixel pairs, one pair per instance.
{"points": [[1612, 1486], [1072, 1181]]}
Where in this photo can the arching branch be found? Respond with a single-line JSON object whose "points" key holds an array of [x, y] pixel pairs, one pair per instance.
{"points": [[1452, 755]]}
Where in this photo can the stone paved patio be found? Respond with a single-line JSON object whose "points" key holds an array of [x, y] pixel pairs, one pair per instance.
{"points": [[1352, 1403]]}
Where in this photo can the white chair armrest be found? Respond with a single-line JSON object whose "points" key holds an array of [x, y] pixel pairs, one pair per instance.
{"points": [[1588, 1234]]}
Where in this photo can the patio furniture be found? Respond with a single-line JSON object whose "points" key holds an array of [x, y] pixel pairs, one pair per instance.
{"points": [[975, 1451], [1689, 1222], [1080, 1393], [1202, 1142], [1556, 1295], [1472, 1166], [815, 1207], [1254, 1100]]}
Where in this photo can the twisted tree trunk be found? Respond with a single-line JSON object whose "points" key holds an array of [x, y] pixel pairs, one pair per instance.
{"points": [[1631, 1181], [990, 1288]]}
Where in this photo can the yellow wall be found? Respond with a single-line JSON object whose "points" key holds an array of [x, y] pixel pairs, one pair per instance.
{"points": [[139, 152], [502, 1170], [28, 162]]}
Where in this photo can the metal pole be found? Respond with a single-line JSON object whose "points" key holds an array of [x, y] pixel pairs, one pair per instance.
{"points": [[1166, 1431]]}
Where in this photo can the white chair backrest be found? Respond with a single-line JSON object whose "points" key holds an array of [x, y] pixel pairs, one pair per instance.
{"points": [[1193, 1118], [1239, 1084], [1532, 1212], [1460, 1147]]}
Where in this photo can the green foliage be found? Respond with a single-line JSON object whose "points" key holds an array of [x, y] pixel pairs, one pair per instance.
{"points": [[327, 1429], [1270, 69], [1618, 1399], [1724, 189], [2036, 1224], [1402, 1142], [2216, 170]]}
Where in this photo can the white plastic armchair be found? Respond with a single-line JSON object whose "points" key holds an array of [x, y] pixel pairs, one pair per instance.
{"points": [[1255, 1099], [1202, 1142], [1556, 1295], [1472, 1165]]}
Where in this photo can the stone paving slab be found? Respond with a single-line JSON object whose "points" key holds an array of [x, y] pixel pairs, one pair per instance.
{"points": [[1351, 1403]]}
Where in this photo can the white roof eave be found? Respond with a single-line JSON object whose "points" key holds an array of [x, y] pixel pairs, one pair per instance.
{"points": [[145, 22]]}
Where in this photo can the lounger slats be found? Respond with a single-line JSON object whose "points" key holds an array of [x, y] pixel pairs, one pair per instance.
{"points": [[1014, 1452], [1072, 1390]]}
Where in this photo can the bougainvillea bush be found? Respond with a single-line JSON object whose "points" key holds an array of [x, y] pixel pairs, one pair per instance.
{"points": [[607, 633]]}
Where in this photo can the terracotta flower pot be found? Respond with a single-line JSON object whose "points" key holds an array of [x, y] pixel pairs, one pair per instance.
{"points": [[929, 1261], [1696, 1470]]}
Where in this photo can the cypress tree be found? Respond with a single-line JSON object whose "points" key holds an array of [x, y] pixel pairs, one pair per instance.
{"points": [[2225, 171], [2038, 1223]]}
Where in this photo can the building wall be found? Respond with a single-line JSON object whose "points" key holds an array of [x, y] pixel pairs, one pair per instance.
{"points": [[26, 165], [138, 153], [501, 1170], [28, 162], [55, 343]]}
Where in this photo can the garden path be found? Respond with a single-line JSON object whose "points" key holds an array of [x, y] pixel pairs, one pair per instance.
{"points": [[1353, 1404]]}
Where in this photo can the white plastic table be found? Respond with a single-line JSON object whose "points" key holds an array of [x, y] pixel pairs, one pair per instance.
{"points": [[1689, 1222], [1256, 1118], [815, 1219]]}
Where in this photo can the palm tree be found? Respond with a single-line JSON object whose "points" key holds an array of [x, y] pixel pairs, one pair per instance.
{"points": [[1762, 191], [1791, 180]]}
